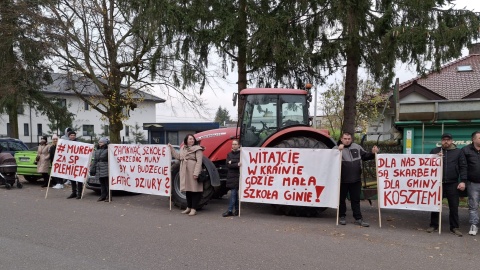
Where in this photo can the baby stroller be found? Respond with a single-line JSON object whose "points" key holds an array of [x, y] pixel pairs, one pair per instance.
{"points": [[8, 171]]}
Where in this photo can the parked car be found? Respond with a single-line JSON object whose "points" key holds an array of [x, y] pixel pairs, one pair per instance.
{"points": [[94, 184], [12, 145], [26, 166]]}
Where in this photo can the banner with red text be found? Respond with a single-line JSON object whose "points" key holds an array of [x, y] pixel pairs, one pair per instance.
{"points": [[140, 168], [409, 182], [72, 160], [291, 176]]}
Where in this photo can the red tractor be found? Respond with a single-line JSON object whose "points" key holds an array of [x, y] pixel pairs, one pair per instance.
{"points": [[271, 118]]}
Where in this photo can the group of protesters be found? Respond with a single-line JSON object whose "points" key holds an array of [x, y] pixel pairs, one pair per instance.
{"points": [[461, 170], [98, 168]]}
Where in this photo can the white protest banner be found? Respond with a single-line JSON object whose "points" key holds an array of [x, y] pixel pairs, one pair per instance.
{"points": [[72, 160], [291, 176], [409, 182], [140, 168]]}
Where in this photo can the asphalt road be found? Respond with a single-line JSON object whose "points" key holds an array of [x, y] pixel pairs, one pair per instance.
{"points": [[140, 232]]}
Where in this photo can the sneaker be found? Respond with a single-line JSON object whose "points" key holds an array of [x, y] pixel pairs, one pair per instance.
{"points": [[227, 214], [362, 223], [343, 221], [457, 232], [432, 229], [473, 230], [58, 186], [68, 182]]}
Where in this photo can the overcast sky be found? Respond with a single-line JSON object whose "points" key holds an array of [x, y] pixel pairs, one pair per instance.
{"points": [[221, 93]]}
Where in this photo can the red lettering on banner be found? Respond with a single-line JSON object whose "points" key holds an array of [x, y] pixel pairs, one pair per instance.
{"points": [[74, 159], [61, 158], [147, 183], [152, 169], [391, 184], [434, 162], [276, 158], [73, 170], [417, 172], [123, 159], [121, 180], [268, 169], [384, 162], [383, 173], [154, 150], [418, 197], [407, 162], [259, 180], [298, 196], [79, 149], [296, 181], [260, 194]]}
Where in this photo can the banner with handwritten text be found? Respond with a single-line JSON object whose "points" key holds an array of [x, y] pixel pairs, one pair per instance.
{"points": [[409, 181], [140, 168], [291, 176], [72, 160]]}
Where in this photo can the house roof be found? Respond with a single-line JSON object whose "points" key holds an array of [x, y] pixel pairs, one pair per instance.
{"points": [[449, 82], [63, 84]]}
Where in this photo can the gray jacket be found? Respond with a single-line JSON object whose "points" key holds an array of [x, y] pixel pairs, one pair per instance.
{"points": [[99, 166], [352, 157]]}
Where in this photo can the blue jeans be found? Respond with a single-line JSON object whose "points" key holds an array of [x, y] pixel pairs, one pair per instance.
{"points": [[473, 199], [233, 200]]}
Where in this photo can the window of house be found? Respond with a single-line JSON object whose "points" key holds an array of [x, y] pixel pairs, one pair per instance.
{"points": [[87, 106], [88, 130], [464, 68], [20, 109], [106, 130], [26, 131], [172, 137], [39, 129], [127, 131], [61, 102]]}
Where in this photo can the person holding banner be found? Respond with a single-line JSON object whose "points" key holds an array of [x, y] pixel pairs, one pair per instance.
{"points": [[190, 157], [76, 187], [51, 152], [43, 160], [233, 175], [99, 167], [350, 183], [454, 168], [472, 155]]}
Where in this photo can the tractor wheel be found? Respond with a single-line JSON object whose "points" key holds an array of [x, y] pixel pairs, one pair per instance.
{"points": [[221, 190], [303, 211], [180, 199]]}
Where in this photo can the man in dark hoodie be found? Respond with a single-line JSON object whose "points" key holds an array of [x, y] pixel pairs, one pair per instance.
{"points": [[77, 187], [472, 155], [350, 183], [454, 168]]}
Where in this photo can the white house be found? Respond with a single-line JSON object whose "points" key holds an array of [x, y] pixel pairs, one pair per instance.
{"points": [[87, 121]]}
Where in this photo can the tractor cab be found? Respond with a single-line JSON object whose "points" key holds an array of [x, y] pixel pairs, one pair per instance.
{"points": [[268, 111]]}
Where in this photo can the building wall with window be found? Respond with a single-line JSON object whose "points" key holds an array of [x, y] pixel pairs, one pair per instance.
{"points": [[88, 123]]}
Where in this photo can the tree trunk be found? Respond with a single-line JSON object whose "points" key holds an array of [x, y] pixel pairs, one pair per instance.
{"points": [[242, 53], [13, 119], [351, 89]]}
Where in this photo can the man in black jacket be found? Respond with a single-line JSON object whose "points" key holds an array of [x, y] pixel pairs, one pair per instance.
{"points": [[352, 156], [472, 155], [454, 168]]}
